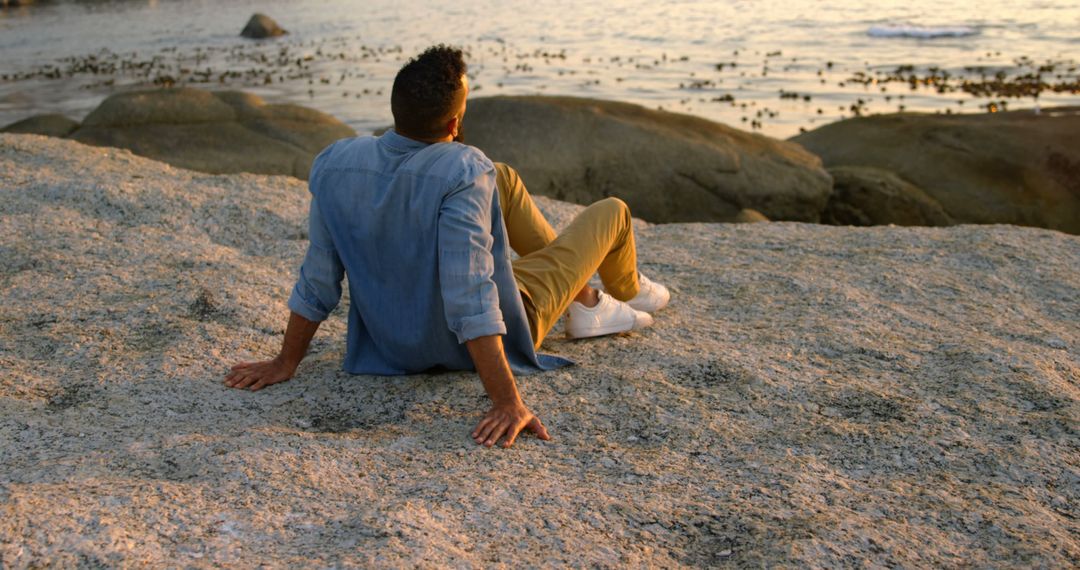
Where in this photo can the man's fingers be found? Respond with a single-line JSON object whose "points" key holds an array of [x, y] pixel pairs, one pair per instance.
{"points": [[234, 378], [486, 432], [246, 378], [537, 427], [241, 365], [244, 382], [480, 426], [500, 429], [511, 435]]}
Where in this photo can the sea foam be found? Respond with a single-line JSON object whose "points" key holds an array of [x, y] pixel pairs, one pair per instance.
{"points": [[926, 32]]}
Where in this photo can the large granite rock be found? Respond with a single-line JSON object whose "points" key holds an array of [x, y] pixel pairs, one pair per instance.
{"points": [[813, 397], [262, 26], [864, 196], [1014, 168], [668, 167], [50, 125], [213, 132]]}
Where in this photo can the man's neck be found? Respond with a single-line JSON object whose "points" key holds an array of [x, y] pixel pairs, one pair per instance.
{"points": [[428, 140]]}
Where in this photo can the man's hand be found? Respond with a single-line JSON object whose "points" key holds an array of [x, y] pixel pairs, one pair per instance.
{"points": [[258, 375], [507, 420], [508, 414]]}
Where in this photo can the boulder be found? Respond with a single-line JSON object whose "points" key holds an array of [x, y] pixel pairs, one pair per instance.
{"points": [[213, 132], [668, 167], [262, 26], [51, 125], [1014, 168], [864, 196]]}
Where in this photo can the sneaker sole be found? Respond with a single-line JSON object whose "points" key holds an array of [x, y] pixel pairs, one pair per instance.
{"points": [[640, 321], [647, 309]]}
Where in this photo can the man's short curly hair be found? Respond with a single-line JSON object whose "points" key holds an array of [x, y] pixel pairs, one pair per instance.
{"points": [[424, 89]]}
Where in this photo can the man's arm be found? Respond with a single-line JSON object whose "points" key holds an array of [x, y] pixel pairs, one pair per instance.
{"points": [[317, 292], [471, 302], [258, 375], [508, 414]]}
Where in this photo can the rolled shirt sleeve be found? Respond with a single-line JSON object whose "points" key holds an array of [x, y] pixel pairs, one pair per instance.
{"points": [[318, 288], [466, 266]]}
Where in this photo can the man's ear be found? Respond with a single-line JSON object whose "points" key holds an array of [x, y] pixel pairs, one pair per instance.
{"points": [[452, 127]]}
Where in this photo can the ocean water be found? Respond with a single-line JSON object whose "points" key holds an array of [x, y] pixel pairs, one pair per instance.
{"points": [[770, 66]]}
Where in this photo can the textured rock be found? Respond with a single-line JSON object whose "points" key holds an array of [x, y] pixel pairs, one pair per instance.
{"points": [[1002, 168], [667, 167], [869, 196], [262, 26], [213, 132], [51, 125], [814, 396]]}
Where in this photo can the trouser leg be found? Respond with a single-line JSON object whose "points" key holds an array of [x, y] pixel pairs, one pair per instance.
{"points": [[601, 238], [526, 227]]}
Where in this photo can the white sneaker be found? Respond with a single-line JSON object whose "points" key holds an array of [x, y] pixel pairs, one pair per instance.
{"points": [[609, 316], [651, 296]]}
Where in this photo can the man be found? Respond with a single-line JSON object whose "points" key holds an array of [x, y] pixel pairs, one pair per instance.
{"points": [[421, 225]]}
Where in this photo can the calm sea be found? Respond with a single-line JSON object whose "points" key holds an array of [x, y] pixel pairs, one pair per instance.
{"points": [[774, 66]]}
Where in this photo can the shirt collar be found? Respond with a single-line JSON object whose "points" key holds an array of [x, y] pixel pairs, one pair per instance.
{"points": [[401, 143]]}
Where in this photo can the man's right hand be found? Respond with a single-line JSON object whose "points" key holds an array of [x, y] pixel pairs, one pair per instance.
{"points": [[507, 420], [508, 414]]}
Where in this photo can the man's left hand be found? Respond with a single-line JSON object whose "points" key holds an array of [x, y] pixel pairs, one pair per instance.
{"points": [[257, 375]]}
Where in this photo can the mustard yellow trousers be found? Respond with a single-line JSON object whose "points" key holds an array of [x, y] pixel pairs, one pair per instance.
{"points": [[553, 269]]}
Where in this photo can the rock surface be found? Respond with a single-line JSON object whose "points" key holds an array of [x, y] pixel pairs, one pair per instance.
{"points": [[1013, 168], [865, 196], [225, 132], [668, 167], [814, 396], [262, 26], [50, 125]]}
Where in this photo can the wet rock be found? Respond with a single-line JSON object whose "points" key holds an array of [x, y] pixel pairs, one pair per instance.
{"points": [[213, 132], [262, 26], [998, 168], [50, 125], [668, 167], [864, 196]]}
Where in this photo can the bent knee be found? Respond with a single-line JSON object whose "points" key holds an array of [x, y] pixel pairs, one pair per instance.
{"points": [[505, 172], [615, 205]]}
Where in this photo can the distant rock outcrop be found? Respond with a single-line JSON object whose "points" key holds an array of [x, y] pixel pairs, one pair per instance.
{"points": [[668, 167], [864, 196], [213, 132], [50, 125], [262, 26], [1003, 168]]}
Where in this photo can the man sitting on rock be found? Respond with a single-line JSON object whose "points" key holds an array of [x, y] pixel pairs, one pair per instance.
{"points": [[423, 227]]}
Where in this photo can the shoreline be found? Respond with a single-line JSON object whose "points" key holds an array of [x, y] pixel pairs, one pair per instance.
{"points": [[760, 89]]}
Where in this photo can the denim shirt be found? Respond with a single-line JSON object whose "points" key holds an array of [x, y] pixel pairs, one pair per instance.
{"points": [[418, 229]]}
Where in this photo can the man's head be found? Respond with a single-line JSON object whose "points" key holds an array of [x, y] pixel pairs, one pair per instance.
{"points": [[428, 99]]}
